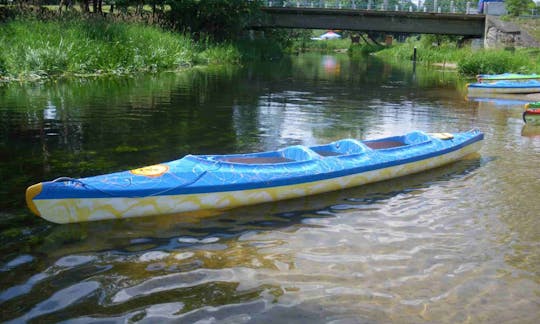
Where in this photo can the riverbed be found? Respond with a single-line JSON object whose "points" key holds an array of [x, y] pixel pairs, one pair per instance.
{"points": [[459, 243]]}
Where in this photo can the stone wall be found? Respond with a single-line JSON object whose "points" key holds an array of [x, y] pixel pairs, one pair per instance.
{"points": [[500, 34]]}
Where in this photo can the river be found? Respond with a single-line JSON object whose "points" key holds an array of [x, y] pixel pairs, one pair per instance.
{"points": [[456, 244]]}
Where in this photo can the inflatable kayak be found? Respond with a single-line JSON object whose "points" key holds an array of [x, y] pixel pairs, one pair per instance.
{"points": [[206, 182], [531, 115], [506, 76], [529, 86]]}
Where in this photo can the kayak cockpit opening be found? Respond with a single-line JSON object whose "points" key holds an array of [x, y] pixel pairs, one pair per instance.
{"points": [[256, 160], [300, 153], [380, 145], [412, 138], [296, 153], [327, 153]]}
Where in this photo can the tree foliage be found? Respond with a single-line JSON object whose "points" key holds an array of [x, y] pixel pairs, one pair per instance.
{"points": [[518, 7], [224, 19]]}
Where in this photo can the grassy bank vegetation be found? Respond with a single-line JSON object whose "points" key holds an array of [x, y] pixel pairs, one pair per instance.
{"points": [[324, 46], [88, 46], [430, 49], [500, 61], [306, 41], [43, 42], [362, 49]]}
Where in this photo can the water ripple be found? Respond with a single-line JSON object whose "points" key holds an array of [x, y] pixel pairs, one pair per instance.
{"points": [[61, 300], [455, 244]]}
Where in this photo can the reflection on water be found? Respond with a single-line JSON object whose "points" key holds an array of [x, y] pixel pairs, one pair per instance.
{"points": [[502, 99], [531, 131], [455, 244]]}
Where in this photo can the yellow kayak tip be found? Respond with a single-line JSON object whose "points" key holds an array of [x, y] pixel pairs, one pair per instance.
{"points": [[31, 193]]}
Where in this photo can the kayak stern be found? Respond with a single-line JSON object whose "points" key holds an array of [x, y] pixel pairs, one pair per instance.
{"points": [[31, 193]]}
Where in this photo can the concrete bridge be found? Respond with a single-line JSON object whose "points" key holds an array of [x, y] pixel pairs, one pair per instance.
{"points": [[471, 25], [420, 22]]}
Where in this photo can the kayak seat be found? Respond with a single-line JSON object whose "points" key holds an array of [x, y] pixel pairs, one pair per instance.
{"points": [[258, 160], [341, 147], [411, 138], [296, 153], [380, 145], [299, 153]]}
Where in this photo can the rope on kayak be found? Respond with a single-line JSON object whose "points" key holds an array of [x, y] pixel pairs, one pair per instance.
{"points": [[66, 179], [216, 166]]}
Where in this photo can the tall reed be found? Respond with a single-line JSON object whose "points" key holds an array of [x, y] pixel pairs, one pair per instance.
{"points": [[426, 51], [83, 46], [469, 62], [499, 61]]}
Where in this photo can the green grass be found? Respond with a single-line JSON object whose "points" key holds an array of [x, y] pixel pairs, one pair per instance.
{"points": [[425, 51], [469, 62], [89, 46], [327, 45], [300, 40], [218, 54], [363, 49], [499, 61]]}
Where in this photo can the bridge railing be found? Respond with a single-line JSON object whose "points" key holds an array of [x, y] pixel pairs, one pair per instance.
{"points": [[438, 6]]}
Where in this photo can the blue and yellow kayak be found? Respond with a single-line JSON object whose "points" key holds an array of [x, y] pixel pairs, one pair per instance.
{"points": [[529, 86], [216, 182]]}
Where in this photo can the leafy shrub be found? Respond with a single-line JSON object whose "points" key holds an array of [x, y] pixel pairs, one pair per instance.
{"points": [[364, 49], [219, 54]]}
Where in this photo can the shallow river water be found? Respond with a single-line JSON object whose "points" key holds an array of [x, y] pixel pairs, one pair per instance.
{"points": [[458, 244]]}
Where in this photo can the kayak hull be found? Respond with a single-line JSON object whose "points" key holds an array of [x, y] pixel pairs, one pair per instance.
{"points": [[504, 91], [72, 209], [504, 87]]}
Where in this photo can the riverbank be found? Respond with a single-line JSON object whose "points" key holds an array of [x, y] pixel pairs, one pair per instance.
{"points": [[467, 60], [81, 46]]}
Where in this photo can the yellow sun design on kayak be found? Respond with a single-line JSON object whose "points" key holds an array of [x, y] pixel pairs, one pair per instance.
{"points": [[151, 170]]}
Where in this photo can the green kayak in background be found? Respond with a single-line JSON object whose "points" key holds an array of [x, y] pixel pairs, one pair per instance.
{"points": [[506, 76]]}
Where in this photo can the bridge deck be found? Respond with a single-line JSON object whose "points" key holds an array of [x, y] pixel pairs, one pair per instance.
{"points": [[369, 20]]}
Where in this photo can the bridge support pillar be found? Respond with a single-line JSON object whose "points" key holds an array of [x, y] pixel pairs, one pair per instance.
{"points": [[388, 40]]}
